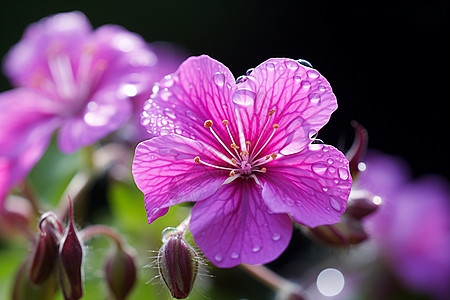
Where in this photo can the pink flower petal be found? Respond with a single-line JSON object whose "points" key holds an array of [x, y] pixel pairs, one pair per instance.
{"points": [[165, 171], [312, 186], [234, 226], [26, 131], [200, 90], [302, 99], [107, 111], [27, 61]]}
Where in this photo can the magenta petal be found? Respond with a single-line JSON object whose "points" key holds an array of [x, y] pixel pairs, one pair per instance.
{"points": [[61, 32], [200, 90], [26, 131], [165, 171], [301, 97], [107, 111], [312, 186], [5, 171], [234, 226]]}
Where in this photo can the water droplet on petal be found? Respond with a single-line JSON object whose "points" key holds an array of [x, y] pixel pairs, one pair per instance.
{"points": [[330, 161], [154, 211], [331, 169], [276, 237], [249, 71], [165, 93], [305, 63], [241, 79], [335, 205], [312, 134], [219, 79], [244, 97], [218, 257], [291, 65], [297, 78], [325, 189], [314, 98], [256, 248], [234, 255], [270, 66], [336, 180], [306, 85], [343, 173], [319, 168], [313, 74]]}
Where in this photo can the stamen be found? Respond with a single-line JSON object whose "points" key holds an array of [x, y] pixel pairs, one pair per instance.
{"points": [[273, 155], [232, 173], [256, 179], [271, 112], [267, 157], [209, 124], [233, 161], [263, 170], [275, 126], [198, 160], [234, 146], [225, 122]]}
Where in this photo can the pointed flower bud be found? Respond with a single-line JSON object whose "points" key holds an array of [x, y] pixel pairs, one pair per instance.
{"points": [[178, 263], [43, 257], [120, 271], [348, 232], [71, 262]]}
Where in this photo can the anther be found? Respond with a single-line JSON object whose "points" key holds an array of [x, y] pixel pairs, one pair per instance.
{"points": [[232, 173], [248, 143], [197, 159], [275, 126], [267, 157], [208, 124], [225, 122], [233, 161], [271, 112], [244, 153], [273, 155], [263, 170], [234, 146]]}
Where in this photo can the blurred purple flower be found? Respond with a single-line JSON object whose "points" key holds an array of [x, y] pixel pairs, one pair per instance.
{"points": [[243, 151], [70, 77], [412, 227]]}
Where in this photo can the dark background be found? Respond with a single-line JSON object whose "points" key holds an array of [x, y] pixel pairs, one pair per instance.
{"points": [[386, 61]]}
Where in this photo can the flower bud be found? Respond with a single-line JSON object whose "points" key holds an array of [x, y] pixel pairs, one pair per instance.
{"points": [[362, 203], [348, 232], [120, 272], [43, 258], [178, 265], [71, 262]]}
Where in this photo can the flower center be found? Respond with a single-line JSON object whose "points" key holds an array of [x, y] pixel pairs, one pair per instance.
{"points": [[244, 160]]}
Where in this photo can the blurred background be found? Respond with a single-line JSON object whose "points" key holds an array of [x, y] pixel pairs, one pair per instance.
{"points": [[387, 62]]}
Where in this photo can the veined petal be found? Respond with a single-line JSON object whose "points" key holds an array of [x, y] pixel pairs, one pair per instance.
{"points": [[234, 226], [301, 97], [312, 186], [165, 171], [107, 111], [200, 90], [27, 61]]}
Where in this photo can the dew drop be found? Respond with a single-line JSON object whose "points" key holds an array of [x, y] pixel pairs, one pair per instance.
{"points": [[218, 257], [332, 169], [325, 189], [256, 248], [312, 134], [154, 211], [319, 168], [276, 237], [313, 74], [241, 79], [234, 255], [219, 79], [291, 65], [304, 63], [249, 71], [168, 81], [306, 85], [336, 180], [343, 173], [244, 97], [297, 78], [165, 93], [335, 205], [322, 88], [167, 232], [169, 113], [314, 98], [145, 119], [330, 161], [270, 66]]}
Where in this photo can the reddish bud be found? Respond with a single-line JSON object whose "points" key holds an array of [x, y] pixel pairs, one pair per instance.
{"points": [[71, 262], [362, 203], [348, 232], [43, 258], [120, 272], [178, 265]]}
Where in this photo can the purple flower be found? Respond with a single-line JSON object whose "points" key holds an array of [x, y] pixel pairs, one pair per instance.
{"points": [[244, 153], [412, 227], [68, 77]]}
